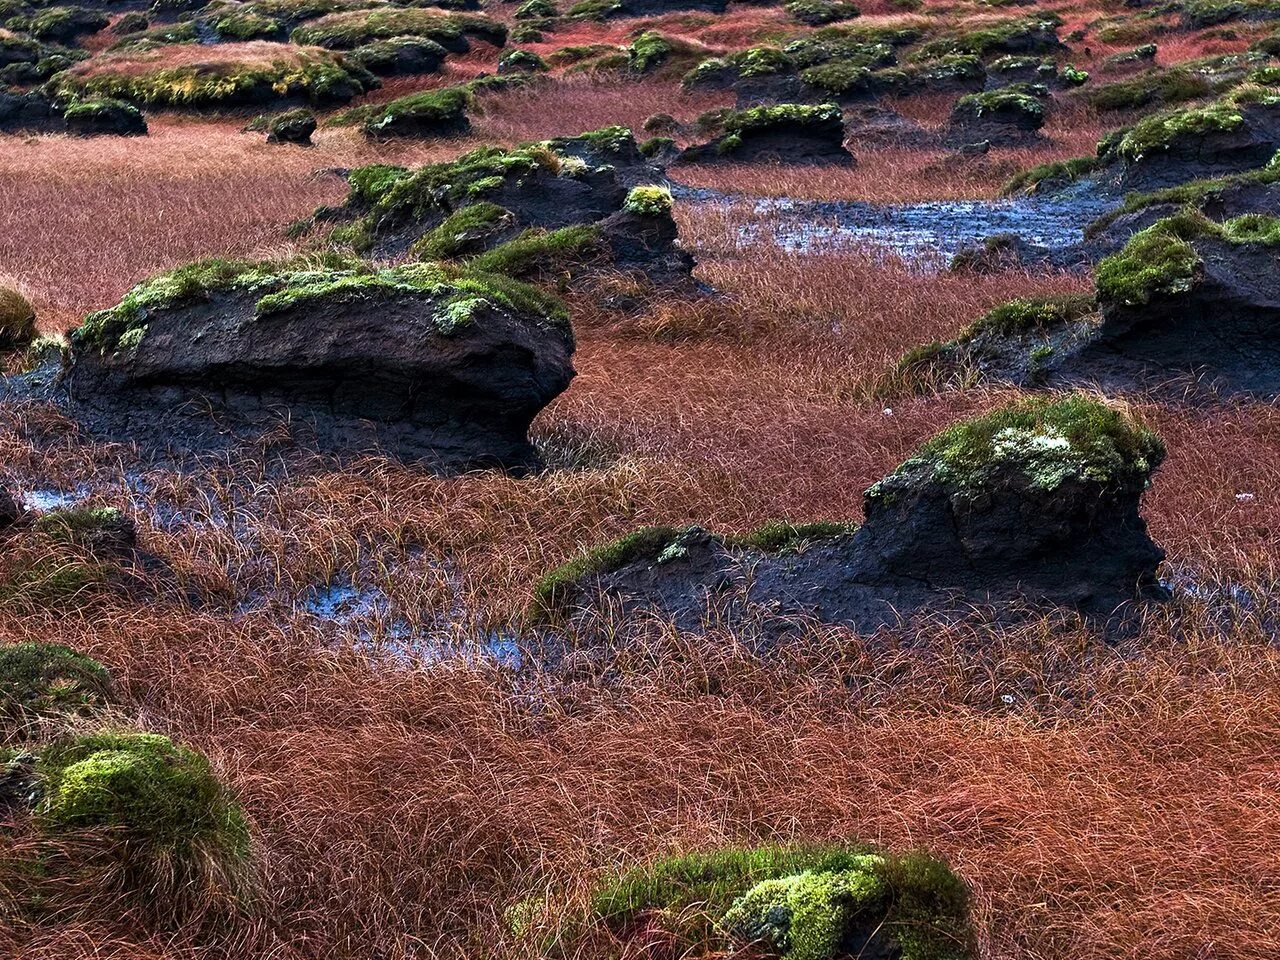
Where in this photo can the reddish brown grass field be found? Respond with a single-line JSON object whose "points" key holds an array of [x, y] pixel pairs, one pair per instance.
{"points": [[1106, 801]]}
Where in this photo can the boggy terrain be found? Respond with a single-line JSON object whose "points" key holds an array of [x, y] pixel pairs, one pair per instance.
{"points": [[653, 478]]}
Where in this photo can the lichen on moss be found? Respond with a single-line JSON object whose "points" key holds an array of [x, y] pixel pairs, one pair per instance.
{"points": [[1047, 441]]}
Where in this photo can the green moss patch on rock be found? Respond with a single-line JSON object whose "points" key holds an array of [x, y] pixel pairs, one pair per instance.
{"points": [[802, 903], [1023, 314], [432, 113]]}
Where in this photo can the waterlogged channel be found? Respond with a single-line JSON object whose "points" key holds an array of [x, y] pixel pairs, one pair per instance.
{"points": [[928, 233]]}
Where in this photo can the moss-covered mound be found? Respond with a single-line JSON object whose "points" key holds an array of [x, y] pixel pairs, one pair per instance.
{"points": [[1047, 442], [223, 76], [47, 680], [139, 808], [434, 113], [399, 55], [103, 531], [802, 903], [788, 132], [355, 28], [1033, 34], [89, 118], [292, 126], [17, 320], [276, 288], [1010, 111], [59, 24]]}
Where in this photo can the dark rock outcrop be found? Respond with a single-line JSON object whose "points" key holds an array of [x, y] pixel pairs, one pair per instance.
{"points": [[432, 362], [1036, 503], [1188, 306], [32, 112]]}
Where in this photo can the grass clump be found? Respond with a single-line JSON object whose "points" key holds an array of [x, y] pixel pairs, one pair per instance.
{"points": [[17, 320], [647, 201], [1041, 313], [157, 808], [803, 903], [41, 680], [1048, 441]]}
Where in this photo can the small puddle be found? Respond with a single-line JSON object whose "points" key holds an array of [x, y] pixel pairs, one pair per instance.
{"points": [[44, 500], [928, 233]]}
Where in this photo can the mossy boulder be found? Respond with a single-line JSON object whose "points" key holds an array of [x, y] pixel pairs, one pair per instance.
{"points": [[144, 818], [436, 362], [250, 74], [17, 320], [427, 115], [560, 205], [399, 56], [292, 126], [60, 24], [617, 9], [1034, 504], [817, 13], [521, 61], [1188, 307], [348, 30], [799, 903], [43, 681], [93, 118], [1008, 114], [787, 133]]}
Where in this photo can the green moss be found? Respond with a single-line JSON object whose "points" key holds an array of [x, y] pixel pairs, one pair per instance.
{"points": [[648, 51], [554, 593], [649, 201], [1041, 313], [445, 108], [840, 78], [385, 56], [1157, 261], [1017, 99], [245, 25], [177, 829], [1054, 173], [312, 75], [464, 232], [1048, 441], [541, 252], [536, 10], [802, 902], [1154, 87], [784, 537], [62, 24], [594, 9], [1153, 134], [162, 35], [354, 28], [47, 679], [280, 287], [818, 12], [47, 583], [522, 60], [1032, 34], [757, 119]]}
